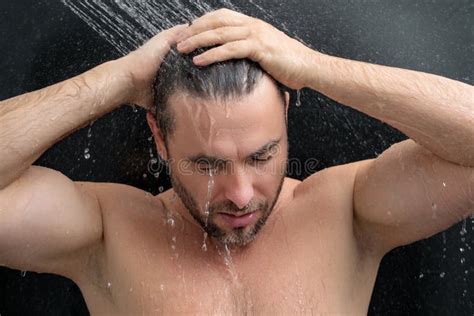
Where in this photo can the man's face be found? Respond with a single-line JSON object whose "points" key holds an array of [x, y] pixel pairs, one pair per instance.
{"points": [[228, 161]]}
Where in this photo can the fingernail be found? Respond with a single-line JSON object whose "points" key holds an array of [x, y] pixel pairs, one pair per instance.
{"points": [[198, 59]]}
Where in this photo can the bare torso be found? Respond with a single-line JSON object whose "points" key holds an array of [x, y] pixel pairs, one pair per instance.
{"points": [[306, 259]]}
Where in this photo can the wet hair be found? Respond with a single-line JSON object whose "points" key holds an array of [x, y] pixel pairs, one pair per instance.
{"points": [[220, 81]]}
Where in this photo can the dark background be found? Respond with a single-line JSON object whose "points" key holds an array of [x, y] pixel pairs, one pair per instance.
{"points": [[43, 42]]}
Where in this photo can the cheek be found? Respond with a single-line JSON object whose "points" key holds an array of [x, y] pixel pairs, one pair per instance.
{"points": [[268, 179], [195, 183]]}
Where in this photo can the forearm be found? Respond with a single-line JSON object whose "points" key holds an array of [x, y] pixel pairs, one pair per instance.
{"points": [[436, 112], [31, 123]]}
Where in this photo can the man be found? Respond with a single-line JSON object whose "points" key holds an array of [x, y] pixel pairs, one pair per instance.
{"points": [[234, 235]]}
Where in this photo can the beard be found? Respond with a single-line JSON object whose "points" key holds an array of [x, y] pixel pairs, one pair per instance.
{"points": [[240, 236]]}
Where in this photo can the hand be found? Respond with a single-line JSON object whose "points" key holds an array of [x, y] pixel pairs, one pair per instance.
{"points": [[140, 66], [241, 36]]}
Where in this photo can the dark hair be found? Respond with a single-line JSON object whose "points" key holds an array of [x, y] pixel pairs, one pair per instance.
{"points": [[220, 81]]}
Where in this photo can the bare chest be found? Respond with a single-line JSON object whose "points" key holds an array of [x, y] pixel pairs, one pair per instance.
{"points": [[286, 277]]}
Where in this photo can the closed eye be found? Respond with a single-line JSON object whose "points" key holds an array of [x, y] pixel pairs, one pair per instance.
{"points": [[262, 158]]}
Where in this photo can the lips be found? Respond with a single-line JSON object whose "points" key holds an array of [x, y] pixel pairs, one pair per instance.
{"points": [[238, 221]]}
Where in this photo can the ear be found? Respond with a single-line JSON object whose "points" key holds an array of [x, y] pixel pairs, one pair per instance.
{"points": [[157, 135]]}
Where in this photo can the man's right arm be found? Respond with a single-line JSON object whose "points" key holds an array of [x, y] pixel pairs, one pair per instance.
{"points": [[47, 221], [45, 218]]}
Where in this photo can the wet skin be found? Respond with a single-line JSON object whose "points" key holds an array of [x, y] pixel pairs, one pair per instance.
{"points": [[305, 259]]}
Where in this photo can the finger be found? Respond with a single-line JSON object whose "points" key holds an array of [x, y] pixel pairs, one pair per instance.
{"points": [[171, 34], [168, 36], [232, 50], [219, 36], [157, 47], [213, 20]]}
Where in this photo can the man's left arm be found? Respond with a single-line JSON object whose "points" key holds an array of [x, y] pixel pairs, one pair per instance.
{"points": [[420, 186], [416, 188]]}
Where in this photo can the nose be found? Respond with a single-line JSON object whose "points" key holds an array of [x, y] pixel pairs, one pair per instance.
{"points": [[239, 189]]}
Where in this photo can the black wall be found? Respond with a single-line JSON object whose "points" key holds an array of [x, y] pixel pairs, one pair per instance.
{"points": [[43, 42]]}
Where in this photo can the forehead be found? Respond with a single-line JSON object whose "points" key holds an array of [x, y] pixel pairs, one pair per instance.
{"points": [[229, 129]]}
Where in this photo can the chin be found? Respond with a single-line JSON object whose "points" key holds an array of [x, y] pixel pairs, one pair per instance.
{"points": [[236, 237], [239, 237]]}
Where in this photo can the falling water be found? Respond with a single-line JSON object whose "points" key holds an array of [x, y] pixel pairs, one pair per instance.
{"points": [[210, 187], [128, 24]]}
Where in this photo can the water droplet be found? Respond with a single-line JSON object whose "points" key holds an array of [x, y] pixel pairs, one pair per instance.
{"points": [[444, 184], [157, 175], [298, 98], [421, 276], [87, 156], [144, 175], [134, 108], [461, 249], [109, 285], [160, 189], [23, 273], [204, 243], [463, 260], [463, 228], [442, 274], [162, 287]]}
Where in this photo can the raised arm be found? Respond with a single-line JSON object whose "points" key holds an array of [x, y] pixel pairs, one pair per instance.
{"points": [[414, 189], [47, 220]]}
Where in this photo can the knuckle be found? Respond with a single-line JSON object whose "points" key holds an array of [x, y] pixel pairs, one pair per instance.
{"points": [[219, 33], [247, 32], [260, 25], [233, 48]]}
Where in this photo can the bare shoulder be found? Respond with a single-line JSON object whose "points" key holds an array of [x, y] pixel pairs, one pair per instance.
{"points": [[337, 180], [118, 200], [328, 196]]}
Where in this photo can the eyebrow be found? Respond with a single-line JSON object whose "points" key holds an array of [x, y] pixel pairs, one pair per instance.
{"points": [[213, 159]]}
